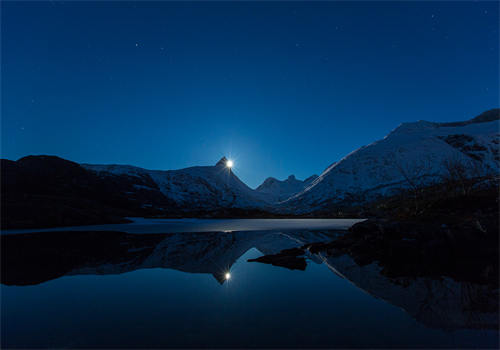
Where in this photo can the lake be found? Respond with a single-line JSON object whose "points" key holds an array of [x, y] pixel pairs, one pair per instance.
{"points": [[188, 283]]}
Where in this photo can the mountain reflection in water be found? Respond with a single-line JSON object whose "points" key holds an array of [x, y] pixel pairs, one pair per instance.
{"points": [[38, 257], [34, 258]]}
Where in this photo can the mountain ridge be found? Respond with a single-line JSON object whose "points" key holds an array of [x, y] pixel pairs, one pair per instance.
{"points": [[197, 187], [48, 190], [279, 190], [381, 166]]}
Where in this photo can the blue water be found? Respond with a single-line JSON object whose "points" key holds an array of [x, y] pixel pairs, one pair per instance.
{"points": [[259, 306]]}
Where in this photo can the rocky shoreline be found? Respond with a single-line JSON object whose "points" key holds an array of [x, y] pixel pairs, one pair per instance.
{"points": [[464, 252]]}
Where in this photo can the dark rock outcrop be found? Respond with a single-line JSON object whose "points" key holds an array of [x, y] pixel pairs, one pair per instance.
{"points": [[292, 259], [465, 252], [47, 191]]}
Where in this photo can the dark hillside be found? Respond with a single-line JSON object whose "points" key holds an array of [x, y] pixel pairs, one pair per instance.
{"points": [[47, 191]]}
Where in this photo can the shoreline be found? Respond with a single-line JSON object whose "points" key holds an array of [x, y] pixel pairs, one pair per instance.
{"points": [[139, 225]]}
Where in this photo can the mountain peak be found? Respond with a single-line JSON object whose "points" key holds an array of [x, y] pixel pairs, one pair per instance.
{"points": [[222, 162], [488, 116], [277, 190], [270, 180]]}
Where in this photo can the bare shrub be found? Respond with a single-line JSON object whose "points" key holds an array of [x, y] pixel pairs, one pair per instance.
{"points": [[462, 175], [416, 175]]}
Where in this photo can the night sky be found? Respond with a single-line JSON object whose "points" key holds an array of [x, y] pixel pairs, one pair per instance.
{"points": [[283, 88]]}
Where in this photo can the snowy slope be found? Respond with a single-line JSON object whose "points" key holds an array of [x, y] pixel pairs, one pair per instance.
{"points": [[418, 150], [200, 187], [277, 191]]}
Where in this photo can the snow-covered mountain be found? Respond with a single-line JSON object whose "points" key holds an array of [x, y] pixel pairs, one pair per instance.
{"points": [[206, 187], [38, 186], [413, 151], [194, 188], [277, 191]]}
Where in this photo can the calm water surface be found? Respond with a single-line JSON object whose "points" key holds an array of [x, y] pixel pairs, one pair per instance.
{"points": [[170, 290]]}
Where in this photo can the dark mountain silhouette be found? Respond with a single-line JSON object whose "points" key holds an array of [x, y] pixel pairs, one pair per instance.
{"points": [[44, 191]]}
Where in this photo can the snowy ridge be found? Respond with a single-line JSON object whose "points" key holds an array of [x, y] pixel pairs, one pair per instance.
{"points": [[277, 191], [199, 187], [207, 187], [418, 148]]}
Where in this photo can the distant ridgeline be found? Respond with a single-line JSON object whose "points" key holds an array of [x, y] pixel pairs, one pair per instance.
{"points": [[44, 191]]}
